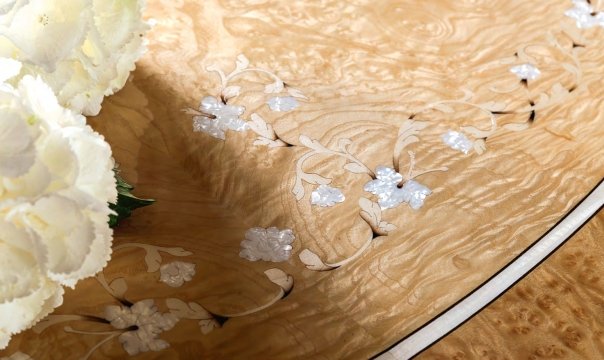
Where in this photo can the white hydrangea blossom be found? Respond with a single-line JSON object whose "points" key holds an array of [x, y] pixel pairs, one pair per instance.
{"points": [[56, 180], [83, 49]]}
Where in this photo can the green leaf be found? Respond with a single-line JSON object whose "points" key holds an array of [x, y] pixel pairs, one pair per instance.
{"points": [[126, 201]]}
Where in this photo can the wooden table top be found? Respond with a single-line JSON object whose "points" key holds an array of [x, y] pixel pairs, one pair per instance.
{"points": [[368, 77]]}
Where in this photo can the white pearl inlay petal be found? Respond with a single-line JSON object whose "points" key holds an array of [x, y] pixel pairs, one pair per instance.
{"points": [[386, 187], [458, 141], [176, 273], [142, 323], [282, 103], [226, 118], [526, 71], [269, 244], [584, 15], [326, 196]]}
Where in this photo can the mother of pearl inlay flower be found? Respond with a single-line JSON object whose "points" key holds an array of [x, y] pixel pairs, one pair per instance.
{"points": [[326, 196], [269, 244], [216, 118], [282, 103], [143, 324], [526, 71], [176, 273], [458, 141], [585, 16], [387, 187]]}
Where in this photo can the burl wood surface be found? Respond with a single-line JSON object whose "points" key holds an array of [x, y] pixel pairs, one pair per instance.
{"points": [[556, 312], [365, 65]]}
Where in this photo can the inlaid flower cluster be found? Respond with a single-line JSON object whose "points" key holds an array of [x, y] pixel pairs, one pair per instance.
{"points": [[388, 184]]}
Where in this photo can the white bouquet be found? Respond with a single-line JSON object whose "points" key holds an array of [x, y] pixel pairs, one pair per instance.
{"points": [[83, 49], [56, 183]]}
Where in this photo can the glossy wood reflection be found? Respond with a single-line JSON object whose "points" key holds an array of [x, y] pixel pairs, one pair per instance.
{"points": [[365, 65], [556, 312]]}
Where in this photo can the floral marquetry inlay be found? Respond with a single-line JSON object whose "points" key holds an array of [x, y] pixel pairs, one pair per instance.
{"points": [[215, 117], [585, 15], [217, 114], [326, 196], [139, 325], [383, 144], [458, 141], [269, 244], [143, 324], [176, 273], [17, 356], [526, 71], [392, 191], [283, 103], [391, 185]]}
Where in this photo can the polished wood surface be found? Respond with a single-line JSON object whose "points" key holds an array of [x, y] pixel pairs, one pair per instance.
{"points": [[365, 66], [556, 312]]}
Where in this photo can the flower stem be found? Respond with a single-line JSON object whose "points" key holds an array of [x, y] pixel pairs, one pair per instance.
{"points": [[101, 343], [280, 296], [355, 256]]}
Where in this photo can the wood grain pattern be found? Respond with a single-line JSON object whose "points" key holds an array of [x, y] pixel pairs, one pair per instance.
{"points": [[556, 312], [365, 66]]}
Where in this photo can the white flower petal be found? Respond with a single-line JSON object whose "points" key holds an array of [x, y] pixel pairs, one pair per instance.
{"points": [[95, 163], [98, 256], [20, 274], [67, 233], [17, 153], [40, 100], [37, 27], [22, 313], [84, 49], [60, 161], [9, 68], [56, 181]]}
